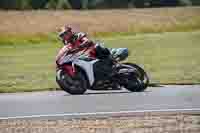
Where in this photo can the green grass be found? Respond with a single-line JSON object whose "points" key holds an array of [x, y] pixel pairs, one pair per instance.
{"points": [[169, 58], [28, 63]]}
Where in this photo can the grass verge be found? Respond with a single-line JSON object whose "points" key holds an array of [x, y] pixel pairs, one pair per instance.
{"points": [[27, 62]]}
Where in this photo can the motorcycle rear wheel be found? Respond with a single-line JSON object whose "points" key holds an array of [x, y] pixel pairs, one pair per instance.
{"points": [[141, 79], [133, 84], [75, 85]]}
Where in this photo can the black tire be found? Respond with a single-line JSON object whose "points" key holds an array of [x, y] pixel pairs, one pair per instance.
{"points": [[142, 77], [75, 85], [133, 83]]}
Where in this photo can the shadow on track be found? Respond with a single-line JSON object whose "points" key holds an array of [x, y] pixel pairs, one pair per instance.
{"points": [[107, 92], [103, 92], [155, 85]]}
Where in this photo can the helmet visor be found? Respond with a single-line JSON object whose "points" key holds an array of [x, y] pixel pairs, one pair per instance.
{"points": [[62, 35]]}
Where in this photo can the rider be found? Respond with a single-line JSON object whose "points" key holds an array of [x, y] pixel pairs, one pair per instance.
{"points": [[73, 40]]}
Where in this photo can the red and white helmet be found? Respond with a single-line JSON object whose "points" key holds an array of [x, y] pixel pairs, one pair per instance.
{"points": [[65, 34]]}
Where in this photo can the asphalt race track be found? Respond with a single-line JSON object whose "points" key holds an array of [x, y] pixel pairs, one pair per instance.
{"points": [[59, 103]]}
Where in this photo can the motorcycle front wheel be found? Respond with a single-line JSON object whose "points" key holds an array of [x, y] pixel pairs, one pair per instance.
{"points": [[75, 85]]}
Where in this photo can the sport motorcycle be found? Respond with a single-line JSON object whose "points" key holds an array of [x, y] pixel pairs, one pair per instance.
{"points": [[79, 73]]}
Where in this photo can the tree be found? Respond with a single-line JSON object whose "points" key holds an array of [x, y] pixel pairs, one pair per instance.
{"points": [[195, 2], [63, 4], [131, 3], [14, 4], [3, 4], [85, 4], [118, 3], [93, 4], [24, 4], [38, 4], [75, 4], [139, 3], [8, 4], [51, 4], [185, 2]]}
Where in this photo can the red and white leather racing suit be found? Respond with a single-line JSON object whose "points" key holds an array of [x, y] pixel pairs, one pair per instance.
{"points": [[79, 39]]}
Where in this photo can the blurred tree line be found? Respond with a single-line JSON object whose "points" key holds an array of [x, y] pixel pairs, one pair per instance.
{"points": [[91, 4]]}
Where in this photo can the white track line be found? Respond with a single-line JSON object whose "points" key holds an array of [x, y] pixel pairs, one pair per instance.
{"points": [[100, 113]]}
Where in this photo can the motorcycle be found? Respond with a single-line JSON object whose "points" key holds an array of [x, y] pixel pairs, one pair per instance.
{"points": [[79, 73]]}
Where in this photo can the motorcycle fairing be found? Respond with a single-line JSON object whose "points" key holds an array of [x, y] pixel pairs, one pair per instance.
{"points": [[69, 69], [87, 66]]}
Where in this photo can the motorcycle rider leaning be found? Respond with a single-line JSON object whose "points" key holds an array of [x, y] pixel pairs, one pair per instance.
{"points": [[78, 41]]}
